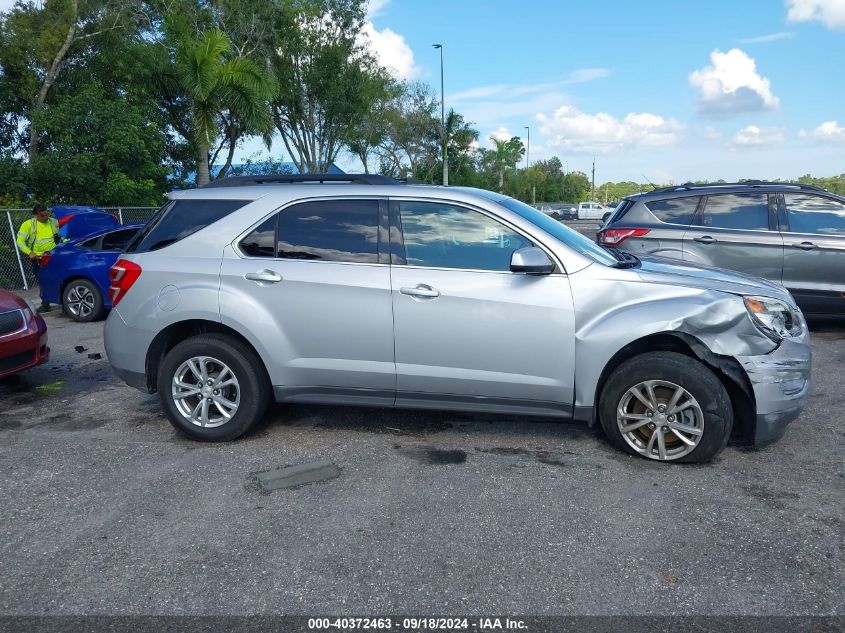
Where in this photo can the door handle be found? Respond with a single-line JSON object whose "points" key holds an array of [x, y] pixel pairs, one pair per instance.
{"points": [[705, 239], [805, 246], [95, 258], [265, 276], [421, 290]]}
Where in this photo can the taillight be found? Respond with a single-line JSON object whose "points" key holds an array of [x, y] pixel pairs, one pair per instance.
{"points": [[66, 219], [122, 275], [45, 259], [614, 237]]}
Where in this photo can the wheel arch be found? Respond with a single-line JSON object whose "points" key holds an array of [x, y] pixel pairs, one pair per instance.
{"points": [[726, 368], [177, 332], [74, 277]]}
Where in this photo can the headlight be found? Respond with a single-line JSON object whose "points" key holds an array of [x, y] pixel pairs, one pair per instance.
{"points": [[774, 318], [29, 315]]}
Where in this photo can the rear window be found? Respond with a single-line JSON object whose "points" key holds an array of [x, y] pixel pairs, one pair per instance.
{"points": [[178, 219], [674, 210]]}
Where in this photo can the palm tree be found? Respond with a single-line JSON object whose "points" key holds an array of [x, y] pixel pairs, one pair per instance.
{"points": [[215, 85], [506, 155]]}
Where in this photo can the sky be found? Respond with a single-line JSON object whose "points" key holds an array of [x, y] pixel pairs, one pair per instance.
{"points": [[659, 90]]}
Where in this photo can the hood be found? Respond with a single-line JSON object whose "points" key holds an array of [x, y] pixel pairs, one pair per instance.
{"points": [[10, 301], [674, 272]]}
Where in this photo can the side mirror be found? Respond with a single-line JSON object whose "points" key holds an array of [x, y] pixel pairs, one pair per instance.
{"points": [[532, 261]]}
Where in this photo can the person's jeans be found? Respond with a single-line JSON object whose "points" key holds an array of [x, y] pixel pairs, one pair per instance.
{"points": [[35, 268]]}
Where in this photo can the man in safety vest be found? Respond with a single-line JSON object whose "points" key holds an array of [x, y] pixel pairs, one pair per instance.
{"points": [[37, 236]]}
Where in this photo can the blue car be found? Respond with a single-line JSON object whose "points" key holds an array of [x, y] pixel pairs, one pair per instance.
{"points": [[78, 221], [76, 273]]}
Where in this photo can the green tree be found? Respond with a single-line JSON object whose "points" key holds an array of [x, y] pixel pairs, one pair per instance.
{"points": [[505, 155]]}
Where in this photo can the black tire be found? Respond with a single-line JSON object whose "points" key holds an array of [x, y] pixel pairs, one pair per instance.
{"points": [[251, 375], [695, 377], [75, 308]]}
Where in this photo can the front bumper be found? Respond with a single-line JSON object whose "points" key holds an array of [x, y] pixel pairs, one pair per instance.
{"points": [[781, 383]]}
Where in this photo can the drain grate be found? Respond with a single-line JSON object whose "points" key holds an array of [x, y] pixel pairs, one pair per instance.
{"points": [[300, 475]]}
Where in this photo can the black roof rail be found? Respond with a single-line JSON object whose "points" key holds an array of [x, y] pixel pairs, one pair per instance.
{"points": [[271, 179], [691, 186]]}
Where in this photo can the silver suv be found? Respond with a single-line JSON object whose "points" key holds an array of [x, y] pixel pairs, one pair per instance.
{"points": [[791, 234], [363, 290]]}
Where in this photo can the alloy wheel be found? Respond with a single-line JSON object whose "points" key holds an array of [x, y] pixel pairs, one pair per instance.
{"points": [[206, 391]]}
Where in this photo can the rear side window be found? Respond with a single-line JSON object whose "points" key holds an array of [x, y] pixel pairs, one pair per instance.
{"points": [[748, 211], [117, 240], [180, 218], [330, 230], [814, 214], [674, 210], [262, 241]]}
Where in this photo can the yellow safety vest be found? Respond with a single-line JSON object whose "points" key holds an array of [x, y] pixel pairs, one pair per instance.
{"points": [[38, 237]]}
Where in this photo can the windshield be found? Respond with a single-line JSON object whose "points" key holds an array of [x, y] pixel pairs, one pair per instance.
{"points": [[572, 239]]}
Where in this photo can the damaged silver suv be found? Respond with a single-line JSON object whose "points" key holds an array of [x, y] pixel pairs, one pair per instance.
{"points": [[364, 290]]}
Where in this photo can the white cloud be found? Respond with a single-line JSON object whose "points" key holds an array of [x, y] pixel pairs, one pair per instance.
{"points": [[732, 85], [374, 7], [392, 51], [831, 13], [570, 129], [583, 75], [829, 131], [754, 135], [771, 37], [502, 134]]}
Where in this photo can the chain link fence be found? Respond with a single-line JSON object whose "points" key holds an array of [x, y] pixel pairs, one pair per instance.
{"points": [[15, 269]]}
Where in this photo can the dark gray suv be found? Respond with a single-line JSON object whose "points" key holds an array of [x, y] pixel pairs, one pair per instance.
{"points": [[791, 234]]}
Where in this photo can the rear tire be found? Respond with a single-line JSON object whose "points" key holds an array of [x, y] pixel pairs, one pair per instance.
{"points": [[670, 395], [213, 387], [82, 301]]}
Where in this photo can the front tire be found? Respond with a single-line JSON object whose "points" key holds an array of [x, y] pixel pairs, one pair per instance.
{"points": [[213, 387], [667, 407], [82, 301]]}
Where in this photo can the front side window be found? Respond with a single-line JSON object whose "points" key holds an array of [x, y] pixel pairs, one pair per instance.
{"points": [[814, 214], [330, 230], [446, 236], [748, 211], [674, 210]]}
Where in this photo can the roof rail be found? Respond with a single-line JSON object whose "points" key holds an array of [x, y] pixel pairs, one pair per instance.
{"points": [[272, 179], [691, 186]]}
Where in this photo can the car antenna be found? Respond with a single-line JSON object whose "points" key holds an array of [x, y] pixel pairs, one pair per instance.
{"points": [[653, 186]]}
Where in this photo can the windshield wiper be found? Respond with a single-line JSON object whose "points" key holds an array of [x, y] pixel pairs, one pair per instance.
{"points": [[624, 260]]}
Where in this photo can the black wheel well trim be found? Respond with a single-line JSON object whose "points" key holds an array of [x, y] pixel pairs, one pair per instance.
{"points": [[726, 368], [177, 332]]}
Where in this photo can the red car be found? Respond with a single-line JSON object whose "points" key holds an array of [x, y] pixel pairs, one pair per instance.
{"points": [[23, 335]]}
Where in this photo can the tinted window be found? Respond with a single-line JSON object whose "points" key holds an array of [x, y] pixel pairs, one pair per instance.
{"points": [[748, 211], [814, 214], [330, 230], [93, 243], [117, 240], [262, 241], [445, 236], [180, 218], [674, 210]]}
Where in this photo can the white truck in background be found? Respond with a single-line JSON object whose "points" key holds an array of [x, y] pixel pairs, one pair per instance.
{"points": [[593, 211]]}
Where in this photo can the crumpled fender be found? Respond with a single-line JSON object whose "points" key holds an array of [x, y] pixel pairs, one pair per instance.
{"points": [[611, 313]]}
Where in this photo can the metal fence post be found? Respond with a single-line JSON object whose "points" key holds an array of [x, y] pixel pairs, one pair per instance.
{"points": [[17, 252], [120, 214]]}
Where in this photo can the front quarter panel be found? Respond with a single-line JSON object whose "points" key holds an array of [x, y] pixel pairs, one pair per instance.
{"points": [[615, 307]]}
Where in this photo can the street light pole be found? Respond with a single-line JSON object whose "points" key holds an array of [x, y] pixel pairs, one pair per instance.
{"points": [[443, 120], [528, 153]]}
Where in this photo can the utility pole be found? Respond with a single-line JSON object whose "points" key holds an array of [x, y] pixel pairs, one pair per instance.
{"points": [[443, 120], [593, 190]]}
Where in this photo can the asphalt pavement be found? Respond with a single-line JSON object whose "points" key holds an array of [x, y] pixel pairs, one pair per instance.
{"points": [[107, 510]]}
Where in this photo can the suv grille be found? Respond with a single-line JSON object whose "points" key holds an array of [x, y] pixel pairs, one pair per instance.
{"points": [[11, 322]]}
